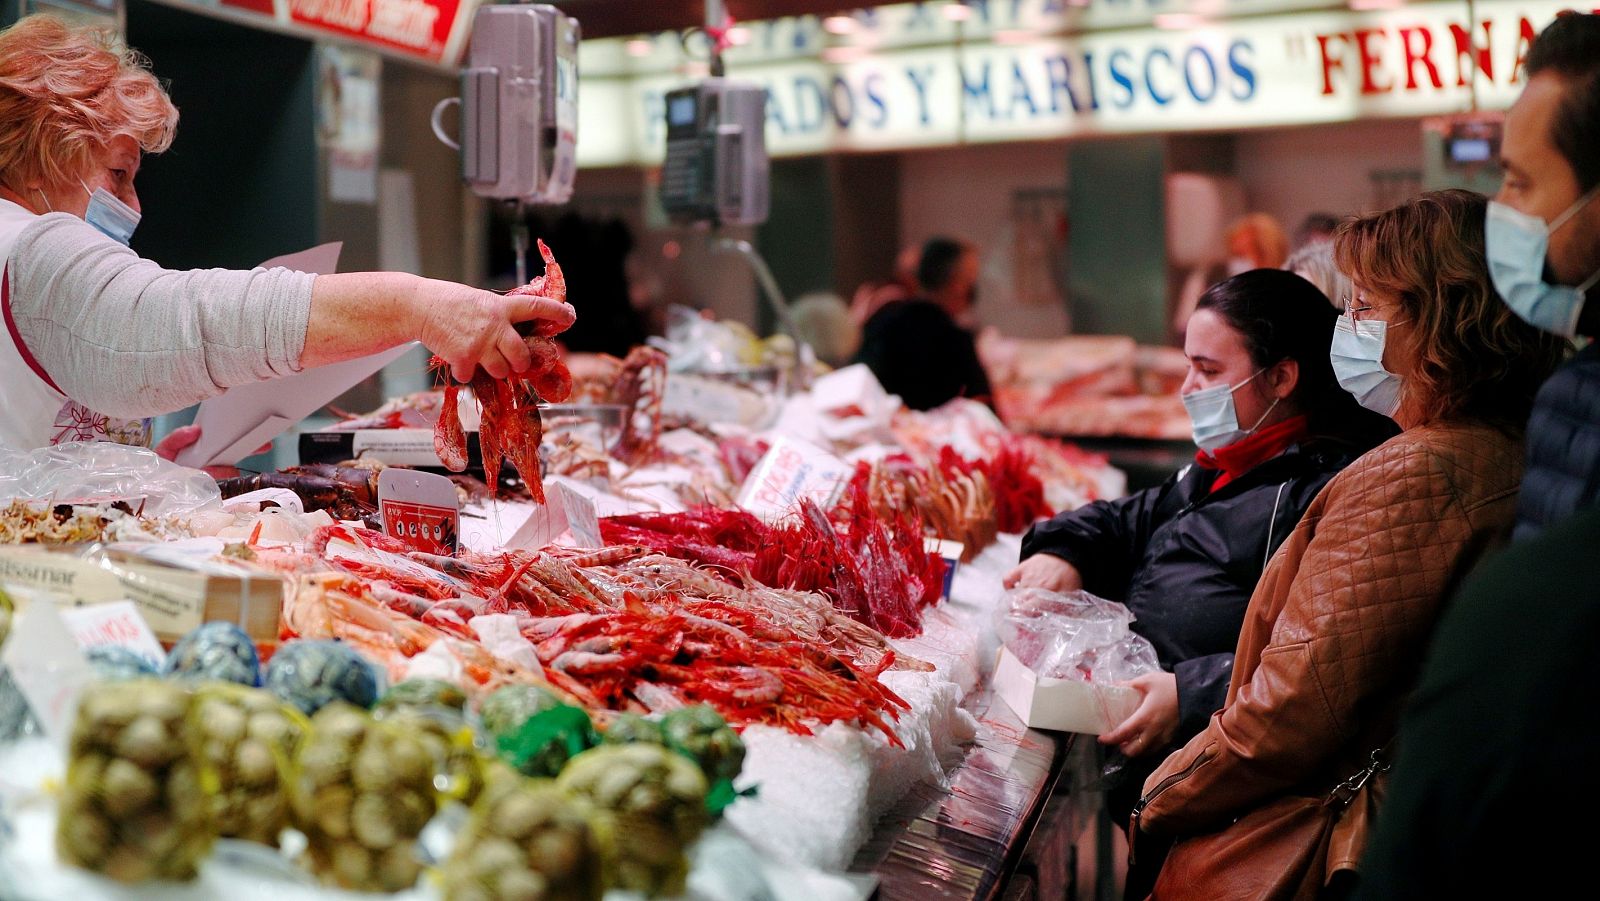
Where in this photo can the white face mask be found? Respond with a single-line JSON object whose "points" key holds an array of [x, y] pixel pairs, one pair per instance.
{"points": [[1515, 244], [1357, 357], [1213, 418], [110, 216]]}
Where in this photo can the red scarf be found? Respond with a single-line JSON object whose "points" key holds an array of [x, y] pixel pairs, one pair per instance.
{"points": [[1251, 451]]}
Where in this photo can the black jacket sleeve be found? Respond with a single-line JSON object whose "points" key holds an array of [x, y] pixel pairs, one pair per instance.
{"points": [[1202, 689], [1105, 541]]}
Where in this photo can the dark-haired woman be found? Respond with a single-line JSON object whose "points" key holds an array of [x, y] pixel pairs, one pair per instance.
{"points": [[1273, 426]]}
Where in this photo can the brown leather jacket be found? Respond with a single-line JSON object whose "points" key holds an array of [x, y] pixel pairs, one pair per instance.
{"points": [[1336, 630]]}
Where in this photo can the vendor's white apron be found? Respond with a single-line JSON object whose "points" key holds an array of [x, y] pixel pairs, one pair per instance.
{"points": [[33, 412]]}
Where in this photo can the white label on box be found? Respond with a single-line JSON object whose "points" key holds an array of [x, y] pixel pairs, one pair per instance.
{"points": [[397, 447], [792, 470], [118, 624], [547, 523], [489, 527]]}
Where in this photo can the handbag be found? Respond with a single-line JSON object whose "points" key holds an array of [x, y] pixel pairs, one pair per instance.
{"points": [[1276, 852]]}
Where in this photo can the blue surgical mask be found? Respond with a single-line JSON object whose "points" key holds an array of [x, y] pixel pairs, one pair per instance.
{"points": [[110, 216], [1357, 357], [1516, 243], [1213, 418]]}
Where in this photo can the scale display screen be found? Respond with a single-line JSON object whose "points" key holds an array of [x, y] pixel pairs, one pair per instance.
{"points": [[680, 110]]}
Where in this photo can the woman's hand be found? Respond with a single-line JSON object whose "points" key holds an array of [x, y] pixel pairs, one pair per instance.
{"points": [[185, 436], [1152, 726], [469, 328], [1047, 572]]}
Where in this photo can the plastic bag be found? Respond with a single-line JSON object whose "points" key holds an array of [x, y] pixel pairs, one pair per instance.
{"points": [[138, 799], [1073, 636], [101, 472]]}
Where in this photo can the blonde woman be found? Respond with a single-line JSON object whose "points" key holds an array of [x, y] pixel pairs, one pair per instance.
{"points": [[96, 339], [1335, 630]]}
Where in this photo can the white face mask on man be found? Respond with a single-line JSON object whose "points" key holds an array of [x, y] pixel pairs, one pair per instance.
{"points": [[1515, 244]]}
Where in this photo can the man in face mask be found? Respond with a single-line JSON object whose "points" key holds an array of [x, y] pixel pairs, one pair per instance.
{"points": [[1504, 727], [1543, 244]]}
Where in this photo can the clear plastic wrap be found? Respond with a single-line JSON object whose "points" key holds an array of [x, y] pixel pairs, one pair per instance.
{"points": [[138, 799], [101, 472], [1073, 636]]}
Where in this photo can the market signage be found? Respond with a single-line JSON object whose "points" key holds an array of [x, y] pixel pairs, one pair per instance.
{"points": [[934, 23], [434, 31], [1292, 69]]}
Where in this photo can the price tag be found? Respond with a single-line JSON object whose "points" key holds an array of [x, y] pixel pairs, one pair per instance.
{"points": [[420, 508], [792, 470], [115, 624], [47, 667], [582, 523]]}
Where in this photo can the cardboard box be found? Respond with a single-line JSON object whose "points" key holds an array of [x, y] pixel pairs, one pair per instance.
{"points": [[172, 600], [1066, 705]]}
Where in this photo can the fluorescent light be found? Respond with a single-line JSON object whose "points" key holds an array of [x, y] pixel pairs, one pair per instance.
{"points": [[840, 25], [838, 55], [1180, 21], [738, 36], [1013, 36], [639, 47], [957, 12], [1371, 5]]}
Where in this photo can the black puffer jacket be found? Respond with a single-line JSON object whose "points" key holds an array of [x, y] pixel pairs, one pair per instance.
{"points": [[1563, 472], [1185, 560]]}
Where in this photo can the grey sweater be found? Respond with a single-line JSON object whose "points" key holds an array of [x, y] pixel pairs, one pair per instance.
{"points": [[127, 338]]}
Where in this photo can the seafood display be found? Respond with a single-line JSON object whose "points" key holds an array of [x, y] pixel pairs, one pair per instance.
{"points": [[23, 522], [871, 564], [346, 492], [510, 427]]}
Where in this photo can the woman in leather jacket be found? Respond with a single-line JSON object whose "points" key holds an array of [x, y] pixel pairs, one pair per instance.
{"points": [[1185, 556], [1335, 632]]}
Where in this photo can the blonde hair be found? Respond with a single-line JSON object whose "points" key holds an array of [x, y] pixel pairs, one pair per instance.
{"points": [[1314, 263], [1269, 237], [1475, 357], [65, 93]]}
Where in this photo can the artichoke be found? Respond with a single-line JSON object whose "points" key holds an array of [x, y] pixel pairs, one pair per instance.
{"points": [[701, 734], [631, 728], [544, 742]]}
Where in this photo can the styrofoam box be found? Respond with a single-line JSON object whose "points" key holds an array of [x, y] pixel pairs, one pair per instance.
{"points": [[1065, 705]]}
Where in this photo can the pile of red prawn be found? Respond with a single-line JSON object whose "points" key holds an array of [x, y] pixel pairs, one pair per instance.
{"points": [[874, 569], [619, 629], [1018, 492], [510, 427]]}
